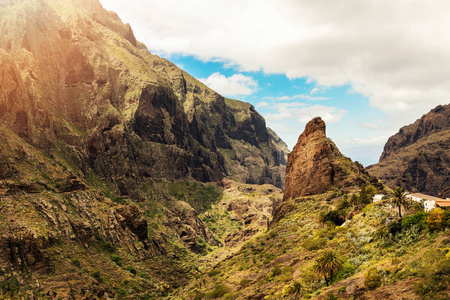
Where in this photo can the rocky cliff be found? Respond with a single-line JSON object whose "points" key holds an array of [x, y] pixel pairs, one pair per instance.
{"points": [[102, 150], [418, 156], [76, 83], [316, 165]]}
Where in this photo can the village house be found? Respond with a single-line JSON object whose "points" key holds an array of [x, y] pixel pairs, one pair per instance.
{"points": [[428, 202], [377, 197]]}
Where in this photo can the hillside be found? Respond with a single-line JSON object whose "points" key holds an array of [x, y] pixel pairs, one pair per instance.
{"points": [[407, 259], [108, 155], [418, 156], [329, 241]]}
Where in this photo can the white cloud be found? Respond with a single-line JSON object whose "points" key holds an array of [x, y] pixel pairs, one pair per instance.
{"points": [[394, 52], [296, 97], [376, 141], [314, 90], [262, 104], [304, 113], [232, 86]]}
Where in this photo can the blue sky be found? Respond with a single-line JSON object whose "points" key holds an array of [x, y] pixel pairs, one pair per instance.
{"points": [[366, 67], [270, 92]]}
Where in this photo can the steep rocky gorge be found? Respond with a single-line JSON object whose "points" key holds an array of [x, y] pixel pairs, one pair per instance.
{"points": [[418, 156]]}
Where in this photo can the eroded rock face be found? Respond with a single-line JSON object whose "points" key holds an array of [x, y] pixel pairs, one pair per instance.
{"points": [[75, 80], [418, 156], [316, 165]]}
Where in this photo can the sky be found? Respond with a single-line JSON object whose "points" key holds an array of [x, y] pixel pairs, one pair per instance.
{"points": [[366, 67]]}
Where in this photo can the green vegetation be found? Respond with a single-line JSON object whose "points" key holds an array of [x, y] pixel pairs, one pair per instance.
{"points": [[372, 279], [306, 251], [199, 195], [327, 265], [399, 199]]}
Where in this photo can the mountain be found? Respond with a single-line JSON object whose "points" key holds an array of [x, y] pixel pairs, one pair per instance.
{"points": [[106, 152], [77, 84], [418, 156], [316, 165]]}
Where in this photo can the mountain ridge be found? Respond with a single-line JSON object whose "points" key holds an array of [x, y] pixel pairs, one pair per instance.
{"points": [[418, 156]]}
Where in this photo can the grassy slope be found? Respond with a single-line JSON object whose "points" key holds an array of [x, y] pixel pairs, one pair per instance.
{"points": [[266, 267]]}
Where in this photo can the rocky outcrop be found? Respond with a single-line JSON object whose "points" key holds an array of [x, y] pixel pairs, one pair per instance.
{"points": [[316, 165], [418, 156]]}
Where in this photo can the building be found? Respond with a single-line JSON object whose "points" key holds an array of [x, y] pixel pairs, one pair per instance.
{"points": [[377, 197], [429, 202]]}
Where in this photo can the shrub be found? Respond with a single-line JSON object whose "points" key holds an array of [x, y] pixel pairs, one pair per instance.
{"points": [[314, 244], [96, 275], [10, 285], [244, 282], [446, 222], [334, 216], [131, 269], [219, 291], [372, 279], [117, 259], [344, 203], [436, 219], [434, 270], [331, 296], [414, 219], [395, 227], [354, 200], [213, 272], [276, 271], [76, 263]]}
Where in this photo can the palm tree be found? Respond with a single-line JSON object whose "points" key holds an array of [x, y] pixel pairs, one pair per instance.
{"points": [[297, 289], [327, 265], [399, 199]]}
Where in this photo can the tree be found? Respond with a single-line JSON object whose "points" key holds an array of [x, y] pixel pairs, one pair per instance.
{"points": [[354, 200], [364, 198], [328, 264], [371, 190], [297, 289], [436, 218], [399, 199]]}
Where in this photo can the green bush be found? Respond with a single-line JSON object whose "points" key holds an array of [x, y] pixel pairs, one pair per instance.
{"points": [[395, 227], [417, 218], [10, 285], [131, 269], [244, 282], [97, 276], [219, 291], [372, 279], [314, 244], [117, 259], [335, 216], [435, 272], [213, 272], [276, 271], [76, 263]]}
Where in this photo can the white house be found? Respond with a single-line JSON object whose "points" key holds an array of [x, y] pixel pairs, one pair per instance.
{"points": [[377, 197], [429, 202]]}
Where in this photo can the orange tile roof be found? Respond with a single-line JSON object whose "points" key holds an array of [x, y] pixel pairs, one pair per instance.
{"points": [[445, 203], [426, 197]]}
